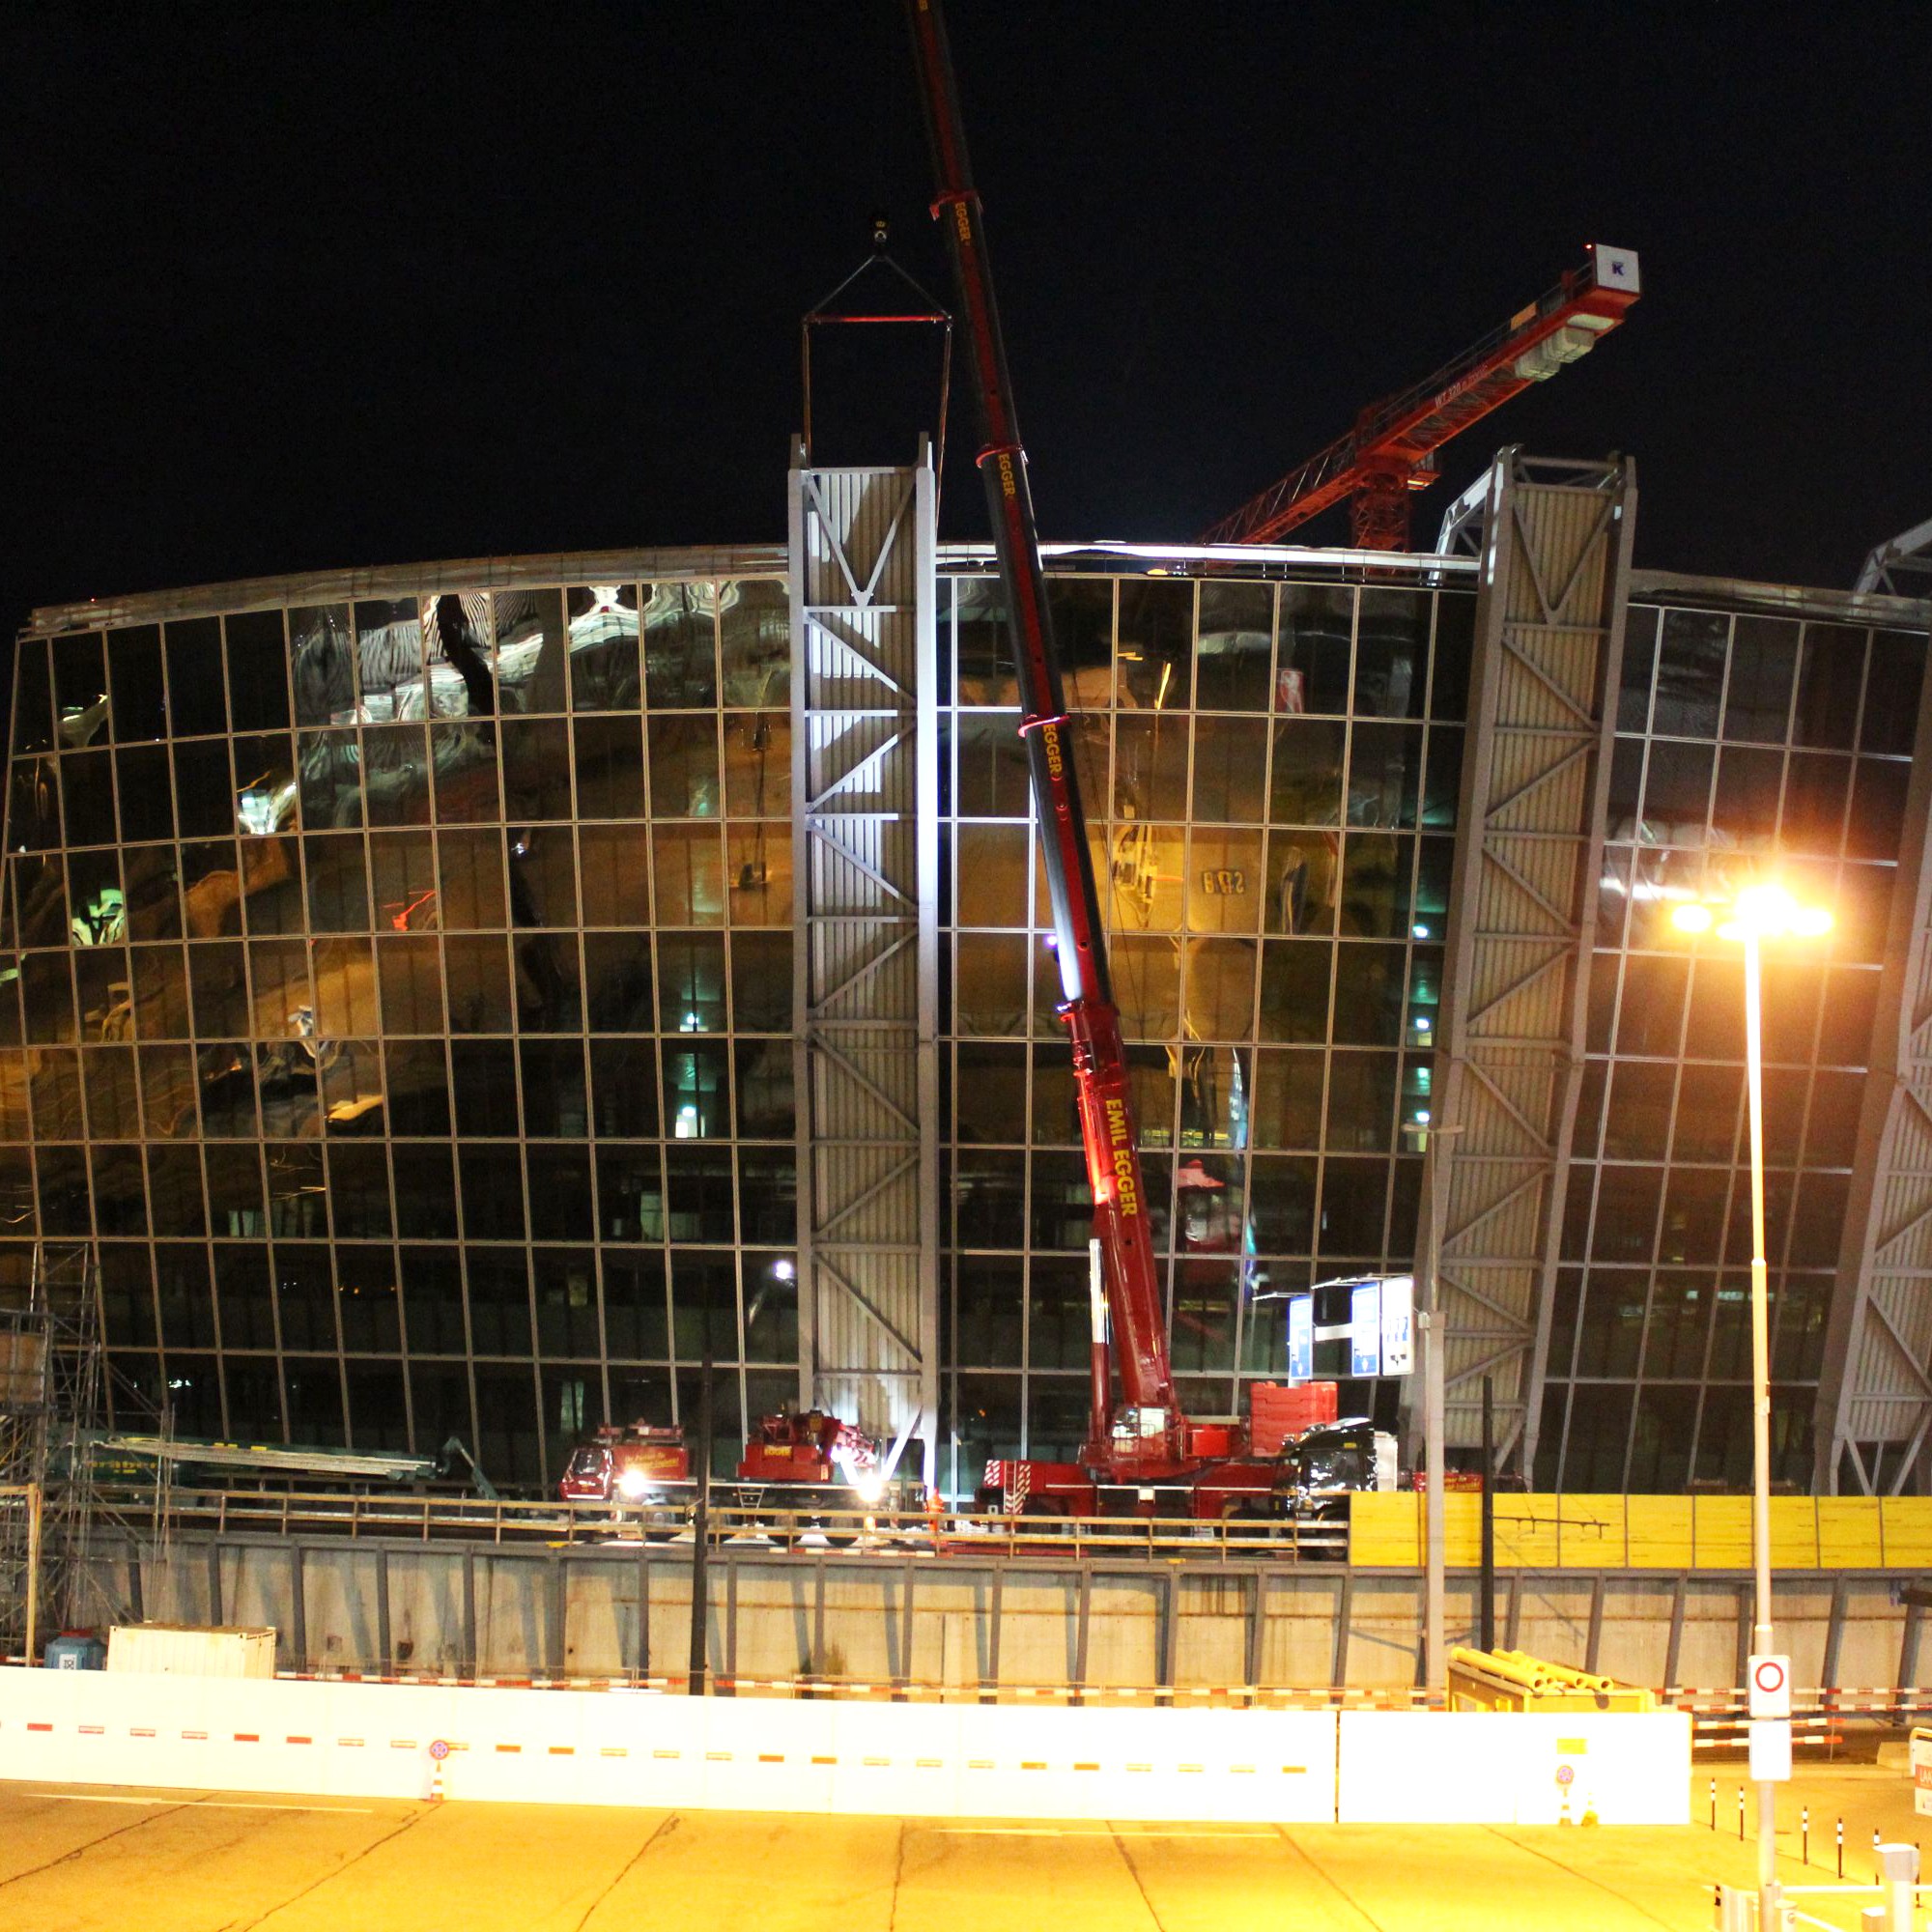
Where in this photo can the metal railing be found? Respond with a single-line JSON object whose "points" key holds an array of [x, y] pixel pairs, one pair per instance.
{"points": [[763, 1528]]}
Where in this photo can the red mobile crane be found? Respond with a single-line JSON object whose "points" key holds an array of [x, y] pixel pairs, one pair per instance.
{"points": [[1146, 1442], [1391, 450]]}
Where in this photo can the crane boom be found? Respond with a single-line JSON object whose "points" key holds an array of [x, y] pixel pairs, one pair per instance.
{"points": [[1106, 1101], [1391, 449]]}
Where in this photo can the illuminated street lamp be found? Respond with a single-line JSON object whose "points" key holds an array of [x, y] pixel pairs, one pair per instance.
{"points": [[1758, 912]]}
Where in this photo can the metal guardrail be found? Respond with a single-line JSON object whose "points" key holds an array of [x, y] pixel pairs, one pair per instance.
{"points": [[763, 1529]]}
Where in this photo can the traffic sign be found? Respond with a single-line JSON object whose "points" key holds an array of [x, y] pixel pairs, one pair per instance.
{"points": [[440, 1749], [1566, 1774], [1770, 1750], [1769, 1682]]}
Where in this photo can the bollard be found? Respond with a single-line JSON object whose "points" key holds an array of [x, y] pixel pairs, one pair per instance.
{"points": [[1841, 1848], [1898, 1875], [1805, 1833], [1741, 1814], [1714, 1804]]}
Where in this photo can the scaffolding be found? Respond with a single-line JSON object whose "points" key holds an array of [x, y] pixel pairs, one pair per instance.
{"points": [[52, 1406]]}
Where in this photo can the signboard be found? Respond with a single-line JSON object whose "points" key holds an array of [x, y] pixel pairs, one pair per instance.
{"points": [[1770, 1750], [1302, 1338], [1398, 1324], [1921, 1773], [1768, 1681], [1365, 1329]]}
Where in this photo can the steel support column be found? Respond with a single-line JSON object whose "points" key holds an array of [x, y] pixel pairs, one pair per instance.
{"points": [[1554, 573], [865, 972]]}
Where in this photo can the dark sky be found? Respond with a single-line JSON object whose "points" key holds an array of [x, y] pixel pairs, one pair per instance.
{"points": [[299, 286]]}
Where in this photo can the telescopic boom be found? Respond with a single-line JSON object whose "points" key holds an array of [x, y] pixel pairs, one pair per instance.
{"points": [[1155, 1432]]}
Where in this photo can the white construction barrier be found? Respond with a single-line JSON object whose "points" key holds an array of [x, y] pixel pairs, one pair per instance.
{"points": [[1508, 1767], [641, 1748]]}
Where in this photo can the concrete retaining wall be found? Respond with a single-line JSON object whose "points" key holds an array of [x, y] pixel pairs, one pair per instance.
{"points": [[600, 1612]]}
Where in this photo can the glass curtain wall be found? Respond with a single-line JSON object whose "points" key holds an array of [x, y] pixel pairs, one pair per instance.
{"points": [[1738, 737], [1271, 773], [399, 992]]}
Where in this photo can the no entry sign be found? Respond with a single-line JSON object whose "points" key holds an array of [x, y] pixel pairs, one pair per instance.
{"points": [[1769, 1682]]}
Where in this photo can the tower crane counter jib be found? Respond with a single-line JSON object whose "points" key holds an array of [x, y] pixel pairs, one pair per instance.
{"points": [[1146, 1440]]}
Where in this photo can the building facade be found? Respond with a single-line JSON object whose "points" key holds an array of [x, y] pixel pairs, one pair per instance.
{"points": [[397, 997]]}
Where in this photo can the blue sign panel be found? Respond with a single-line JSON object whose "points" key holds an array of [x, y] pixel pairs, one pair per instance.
{"points": [[1365, 1329], [1302, 1338]]}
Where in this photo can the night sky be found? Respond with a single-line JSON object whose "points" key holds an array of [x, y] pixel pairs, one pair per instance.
{"points": [[301, 287]]}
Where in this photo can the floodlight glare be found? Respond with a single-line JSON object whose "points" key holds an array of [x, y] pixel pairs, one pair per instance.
{"points": [[1691, 917]]}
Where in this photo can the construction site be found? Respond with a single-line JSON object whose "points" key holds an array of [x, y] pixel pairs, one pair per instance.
{"points": [[1261, 1201]]}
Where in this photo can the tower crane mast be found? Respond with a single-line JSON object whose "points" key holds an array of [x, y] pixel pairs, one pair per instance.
{"points": [[1391, 449]]}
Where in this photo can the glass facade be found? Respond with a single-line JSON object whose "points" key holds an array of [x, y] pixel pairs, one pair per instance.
{"points": [[1737, 734], [397, 994], [1271, 773]]}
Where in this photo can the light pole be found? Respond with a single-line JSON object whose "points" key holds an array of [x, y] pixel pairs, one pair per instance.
{"points": [[1434, 1340], [1757, 912]]}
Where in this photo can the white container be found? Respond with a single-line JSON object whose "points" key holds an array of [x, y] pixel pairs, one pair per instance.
{"points": [[190, 1650]]}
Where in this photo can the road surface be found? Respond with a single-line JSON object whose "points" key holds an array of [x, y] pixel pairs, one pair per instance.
{"points": [[94, 1860]]}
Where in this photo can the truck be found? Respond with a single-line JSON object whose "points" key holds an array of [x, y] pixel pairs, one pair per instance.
{"points": [[1319, 1469], [805, 1461]]}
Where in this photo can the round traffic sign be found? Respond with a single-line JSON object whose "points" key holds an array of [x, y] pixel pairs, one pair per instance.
{"points": [[440, 1749], [1565, 1772], [1768, 1675]]}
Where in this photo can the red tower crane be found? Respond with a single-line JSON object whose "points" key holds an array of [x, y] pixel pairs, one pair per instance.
{"points": [[1391, 450]]}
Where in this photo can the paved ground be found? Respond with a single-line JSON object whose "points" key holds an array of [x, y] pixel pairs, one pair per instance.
{"points": [[98, 1860]]}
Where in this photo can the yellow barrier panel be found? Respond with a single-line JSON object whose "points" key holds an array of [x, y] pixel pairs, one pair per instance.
{"points": [[1526, 1531], [1597, 1532], [1848, 1535], [1793, 1533], [1659, 1533], [1385, 1531], [1906, 1526], [1720, 1526]]}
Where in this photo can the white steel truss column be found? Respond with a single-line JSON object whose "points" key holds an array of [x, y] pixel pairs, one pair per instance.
{"points": [[1875, 1394], [1554, 554], [864, 993]]}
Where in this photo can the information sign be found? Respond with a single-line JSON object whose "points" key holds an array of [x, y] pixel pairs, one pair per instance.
{"points": [[1302, 1338], [1398, 1324], [1365, 1329]]}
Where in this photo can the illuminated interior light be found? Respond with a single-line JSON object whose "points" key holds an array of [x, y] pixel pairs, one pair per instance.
{"points": [[783, 1271], [1420, 930], [690, 1023], [1421, 1022], [686, 1122], [1422, 1116]]}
